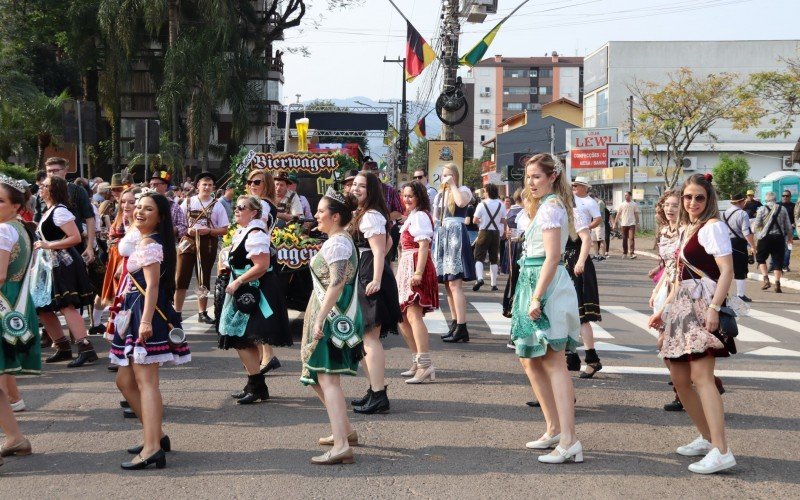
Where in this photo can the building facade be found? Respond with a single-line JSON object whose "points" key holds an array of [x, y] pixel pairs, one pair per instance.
{"points": [[505, 86]]}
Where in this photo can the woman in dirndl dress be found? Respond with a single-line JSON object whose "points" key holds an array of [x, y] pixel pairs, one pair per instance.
{"points": [[71, 289], [454, 261], [20, 352], [142, 343], [333, 326], [690, 336], [545, 320], [416, 280], [377, 288], [268, 322]]}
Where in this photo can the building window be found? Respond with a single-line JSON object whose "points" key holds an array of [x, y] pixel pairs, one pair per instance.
{"points": [[602, 108], [546, 73], [274, 90], [590, 111], [533, 73], [515, 73], [545, 90], [519, 90], [483, 138], [513, 106], [485, 122]]}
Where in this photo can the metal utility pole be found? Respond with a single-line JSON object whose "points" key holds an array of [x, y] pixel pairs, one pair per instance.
{"points": [[80, 138], [450, 31], [402, 141], [630, 144], [552, 135]]}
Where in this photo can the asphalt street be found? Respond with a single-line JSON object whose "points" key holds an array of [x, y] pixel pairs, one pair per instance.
{"points": [[463, 436]]}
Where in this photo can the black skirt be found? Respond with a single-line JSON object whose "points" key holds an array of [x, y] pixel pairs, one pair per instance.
{"points": [[585, 284], [382, 308], [71, 284]]}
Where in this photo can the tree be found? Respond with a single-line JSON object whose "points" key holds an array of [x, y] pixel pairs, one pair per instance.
{"points": [[472, 174], [669, 118], [732, 175], [780, 92], [418, 159]]}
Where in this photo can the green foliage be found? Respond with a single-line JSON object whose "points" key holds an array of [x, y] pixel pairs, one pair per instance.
{"points": [[780, 92], [17, 171], [732, 176], [418, 159], [472, 174]]}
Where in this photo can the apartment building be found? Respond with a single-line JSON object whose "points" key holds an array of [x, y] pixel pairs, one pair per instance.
{"points": [[502, 87]]}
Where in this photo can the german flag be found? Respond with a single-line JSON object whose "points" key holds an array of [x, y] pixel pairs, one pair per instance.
{"points": [[419, 128], [418, 53]]}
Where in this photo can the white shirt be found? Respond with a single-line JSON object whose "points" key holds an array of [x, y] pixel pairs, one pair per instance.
{"points": [[296, 208], [588, 208], [218, 216], [372, 223], [437, 202], [626, 213], [484, 213], [257, 242]]}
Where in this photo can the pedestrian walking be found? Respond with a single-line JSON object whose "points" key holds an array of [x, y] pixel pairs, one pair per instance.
{"points": [[751, 205], [421, 175], [453, 255], [545, 320], [691, 338], [598, 233], [742, 242], [490, 216], [333, 328], [627, 219], [254, 312], [377, 287], [416, 281], [774, 234], [790, 206], [143, 339]]}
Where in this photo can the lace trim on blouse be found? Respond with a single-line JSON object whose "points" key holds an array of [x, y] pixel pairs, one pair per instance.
{"points": [[372, 223], [336, 248], [551, 215], [127, 245], [144, 255]]}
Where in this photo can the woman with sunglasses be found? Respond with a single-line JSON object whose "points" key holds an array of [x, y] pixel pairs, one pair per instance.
{"points": [[416, 281], [261, 184], [690, 325], [142, 342], [244, 325], [71, 288]]}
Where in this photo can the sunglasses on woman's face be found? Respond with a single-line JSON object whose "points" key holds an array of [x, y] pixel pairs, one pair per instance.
{"points": [[698, 198], [254, 182], [241, 208]]}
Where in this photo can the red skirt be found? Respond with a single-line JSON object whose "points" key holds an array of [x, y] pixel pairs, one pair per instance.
{"points": [[110, 281], [426, 294]]}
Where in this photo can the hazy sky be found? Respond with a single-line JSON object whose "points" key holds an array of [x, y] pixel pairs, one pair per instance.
{"points": [[348, 47]]}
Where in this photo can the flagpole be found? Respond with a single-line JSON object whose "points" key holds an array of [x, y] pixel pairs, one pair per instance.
{"points": [[512, 12], [401, 12]]}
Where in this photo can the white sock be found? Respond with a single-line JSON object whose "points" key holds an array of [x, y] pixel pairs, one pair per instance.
{"points": [[97, 315], [479, 270], [493, 271], [740, 287]]}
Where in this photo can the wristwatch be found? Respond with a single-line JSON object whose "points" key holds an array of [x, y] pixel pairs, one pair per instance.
{"points": [[714, 307]]}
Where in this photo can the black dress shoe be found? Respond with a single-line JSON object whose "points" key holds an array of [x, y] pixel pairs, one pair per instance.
{"points": [[87, 356], [361, 401], [159, 458], [377, 403], [240, 394], [128, 413], [273, 364], [477, 286], [97, 330], [203, 317], [494, 288], [533, 404], [165, 446], [124, 404], [745, 298], [254, 397], [113, 368], [255, 390], [59, 355], [674, 406], [452, 329], [460, 335]]}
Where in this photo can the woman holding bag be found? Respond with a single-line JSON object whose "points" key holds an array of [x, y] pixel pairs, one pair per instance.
{"points": [[141, 341], [260, 317], [691, 324]]}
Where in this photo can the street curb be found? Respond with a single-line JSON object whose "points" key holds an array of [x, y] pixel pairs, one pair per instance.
{"points": [[794, 285]]}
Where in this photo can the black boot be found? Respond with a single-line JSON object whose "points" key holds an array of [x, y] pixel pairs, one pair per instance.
{"points": [[377, 403], [243, 392], [449, 333], [63, 351], [593, 364], [573, 362], [86, 354], [459, 335], [362, 401], [258, 390]]}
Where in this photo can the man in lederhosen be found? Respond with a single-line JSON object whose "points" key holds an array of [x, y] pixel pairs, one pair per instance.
{"points": [[289, 206], [206, 221], [738, 222], [490, 215]]}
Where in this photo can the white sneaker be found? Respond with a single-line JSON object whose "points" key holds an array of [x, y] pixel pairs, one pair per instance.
{"points": [[714, 462], [697, 448], [18, 406], [543, 443]]}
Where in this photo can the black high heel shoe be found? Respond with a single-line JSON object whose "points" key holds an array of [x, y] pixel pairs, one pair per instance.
{"points": [[159, 458], [165, 445], [450, 332]]}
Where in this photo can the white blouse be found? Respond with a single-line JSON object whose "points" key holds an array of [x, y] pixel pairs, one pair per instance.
{"points": [[372, 223], [337, 247], [144, 255], [437, 202], [127, 245], [715, 239], [8, 237], [257, 242], [61, 215], [551, 215], [419, 225]]}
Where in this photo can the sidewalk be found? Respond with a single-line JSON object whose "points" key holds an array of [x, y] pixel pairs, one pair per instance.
{"points": [[645, 246]]}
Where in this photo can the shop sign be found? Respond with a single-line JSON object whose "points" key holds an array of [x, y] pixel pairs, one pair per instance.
{"points": [[619, 154], [439, 154], [296, 256], [307, 163], [588, 147]]}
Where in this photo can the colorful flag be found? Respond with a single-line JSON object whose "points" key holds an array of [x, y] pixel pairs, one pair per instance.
{"points": [[391, 135], [475, 54], [419, 128], [418, 53]]}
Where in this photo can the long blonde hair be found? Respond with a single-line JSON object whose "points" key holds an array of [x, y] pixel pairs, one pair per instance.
{"points": [[448, 197], [561, 188]]}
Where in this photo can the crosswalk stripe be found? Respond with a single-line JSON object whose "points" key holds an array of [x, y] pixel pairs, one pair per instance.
{"points": [[747, 334], [774, 319], [599, 332], [606, 346], [492, 314], [635, 318], [746, 374], [774, 351], [436, 322], [796, 311]]}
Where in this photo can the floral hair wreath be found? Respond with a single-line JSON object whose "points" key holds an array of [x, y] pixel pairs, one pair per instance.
{"points": [[145, 191], [558, 167]]}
